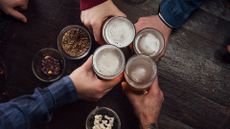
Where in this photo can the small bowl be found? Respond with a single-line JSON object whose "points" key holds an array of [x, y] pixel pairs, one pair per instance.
{"points": [[60, 40], [37, 61], [103, 111]]}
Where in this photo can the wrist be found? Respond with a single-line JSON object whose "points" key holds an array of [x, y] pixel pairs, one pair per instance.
{"points": [[148, 122], [164, 21], [71, 76]]}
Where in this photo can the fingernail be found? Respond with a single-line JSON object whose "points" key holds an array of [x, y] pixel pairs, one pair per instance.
{"points": [[25, 20], [124, 85]]}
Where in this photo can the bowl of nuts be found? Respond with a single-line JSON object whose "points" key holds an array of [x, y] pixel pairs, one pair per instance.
{"points": [[48, 65], [103, 118], [74, 42]]}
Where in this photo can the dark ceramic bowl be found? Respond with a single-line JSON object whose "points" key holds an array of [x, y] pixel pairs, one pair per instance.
{"points": [[103, 111], [36, 64], [60, 38]]}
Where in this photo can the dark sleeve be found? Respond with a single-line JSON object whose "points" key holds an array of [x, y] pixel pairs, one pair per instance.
{"points": [[175, 13], [26, 111], [86, 4]]}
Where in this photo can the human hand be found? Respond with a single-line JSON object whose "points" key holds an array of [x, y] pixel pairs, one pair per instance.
{"points": [[8, 6], [147, 106], [154, 22], [94, 17], [87, 83]]}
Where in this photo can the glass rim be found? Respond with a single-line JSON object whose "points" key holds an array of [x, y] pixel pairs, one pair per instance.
{"points": [[106, 25], [147, 84], [123, 62], [152, 55]]}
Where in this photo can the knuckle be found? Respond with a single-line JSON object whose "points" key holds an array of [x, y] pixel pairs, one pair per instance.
{"points": [[86, 22], [94, 23], [99, 96], [100, 89], [20, 1]]}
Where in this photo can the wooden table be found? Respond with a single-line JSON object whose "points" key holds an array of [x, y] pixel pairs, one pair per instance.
{"points": [[19, 42]]}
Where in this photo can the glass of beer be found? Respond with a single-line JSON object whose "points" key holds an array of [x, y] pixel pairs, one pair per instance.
{"points": [[149, 41], [108, 62], [118, 31], [140, 72]]}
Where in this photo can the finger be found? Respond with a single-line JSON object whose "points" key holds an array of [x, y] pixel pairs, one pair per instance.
{"points": [[155, 87], [24, 7], [85, 21], [17, 15], [131, 95], [116, 80], [23, 4], [97, 32], [82, 17], [138, 26], [109, 84], [88, 64], [124, 85], [108, 90], [87, 24]]}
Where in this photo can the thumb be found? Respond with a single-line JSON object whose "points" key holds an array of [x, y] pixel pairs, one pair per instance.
{"points": [[17, 15], [138, 26], [129, 93], [97, 32], [88, 64]]}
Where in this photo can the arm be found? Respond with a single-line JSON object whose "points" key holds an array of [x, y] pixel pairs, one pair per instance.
{"points": [[8, 6], [174, 13], [147, 106], [93, 14], [27, 111]]}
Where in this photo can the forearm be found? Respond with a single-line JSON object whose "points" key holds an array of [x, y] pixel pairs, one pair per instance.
{"points": [[26, 111], [86, 4], [175, 13]]}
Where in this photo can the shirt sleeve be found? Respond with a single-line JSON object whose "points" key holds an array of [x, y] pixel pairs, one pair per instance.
{"points": [[175, 13], [86, 4], [26, 111]]}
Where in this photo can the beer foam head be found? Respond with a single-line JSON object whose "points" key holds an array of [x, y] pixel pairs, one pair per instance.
{"points": [[119, 31], [149, 42], [140, 71], [108, 61]]}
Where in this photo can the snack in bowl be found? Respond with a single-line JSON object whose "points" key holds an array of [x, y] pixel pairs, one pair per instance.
{"points": [[74, 42], [103, 118], [48, 65]]}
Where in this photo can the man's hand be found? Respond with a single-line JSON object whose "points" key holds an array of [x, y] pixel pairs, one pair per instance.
{"points": [[154, 22], [147, 106], [8, 6], [94, 17], [87, 83]]}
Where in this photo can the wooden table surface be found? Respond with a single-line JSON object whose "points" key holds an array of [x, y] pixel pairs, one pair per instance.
{"points": [[195, 82], [19, 42]]}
